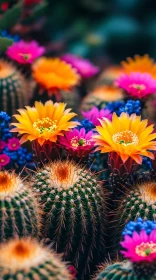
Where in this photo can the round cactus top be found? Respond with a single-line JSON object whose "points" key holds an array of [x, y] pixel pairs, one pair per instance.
{"points": [[6, 69], [61, 174], [9, 183], [148, 192]]}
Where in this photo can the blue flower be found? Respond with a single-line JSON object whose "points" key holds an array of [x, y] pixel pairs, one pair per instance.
{"points": [[85, 123], [5, 34], [138, 226], [130, 107]]}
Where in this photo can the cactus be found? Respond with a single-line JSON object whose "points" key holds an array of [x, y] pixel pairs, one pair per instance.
{"points": [[73, 203], [19, 213], [101, 96], [140, 201], [121, 271], [13, 88], [26, 259], [109, 75]]}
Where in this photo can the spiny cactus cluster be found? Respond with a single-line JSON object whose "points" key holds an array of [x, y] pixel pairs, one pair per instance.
{"points": [[74, 220], [140, 201], [13, 87], [26, 259], [121, 271], [19, 212]]}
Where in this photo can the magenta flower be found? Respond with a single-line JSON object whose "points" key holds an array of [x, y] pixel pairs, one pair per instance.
{"points": [[141, 247], [77, 142], [95, 114], [2, 145], [4, 160], [83, 66], [13, 144], [137, 84], [25, 52]]}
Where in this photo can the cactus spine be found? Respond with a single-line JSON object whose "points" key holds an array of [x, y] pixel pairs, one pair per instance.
{"points": [[13, 87], [140, 201], [26, 259], [19, 213], [121, 271], [73, 203]]}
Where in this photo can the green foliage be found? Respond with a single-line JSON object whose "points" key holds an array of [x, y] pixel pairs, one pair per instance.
{"points": [[10, 17], [5, 43]]}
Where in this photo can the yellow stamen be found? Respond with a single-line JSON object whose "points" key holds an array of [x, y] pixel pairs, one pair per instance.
{"points": [[126, 138], [45, 124], [139, 87], [145, 249]]}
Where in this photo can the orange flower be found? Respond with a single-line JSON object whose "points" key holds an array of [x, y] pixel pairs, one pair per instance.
{"points": [[143, 64], [126, 135], [54, 74], [43, 122]]}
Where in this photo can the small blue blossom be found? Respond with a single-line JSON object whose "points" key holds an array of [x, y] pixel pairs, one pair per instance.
{"points": [[5, 34], [138, 226], [85, 123], [18, 158], [130, 107]]}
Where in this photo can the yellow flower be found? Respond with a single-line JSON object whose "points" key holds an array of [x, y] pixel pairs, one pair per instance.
{"points": [[143, 64], [126, 135], [43, 122], [54, 74]]}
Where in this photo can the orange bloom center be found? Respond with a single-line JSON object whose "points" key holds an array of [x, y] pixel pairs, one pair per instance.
{"points": [[145, 249], [21, 250], [75, 142], [139, 87], [26, 56], [126, 138], [45, 124], [6, 181]]}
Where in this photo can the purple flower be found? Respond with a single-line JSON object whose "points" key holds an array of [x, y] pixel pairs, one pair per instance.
{"points": [[95, 114]]}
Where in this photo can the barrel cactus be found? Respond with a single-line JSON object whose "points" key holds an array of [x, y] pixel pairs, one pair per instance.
{"points": [[140, 201], [139, 248], [109, 75], [13, 87], [73, 204], [101, 96], [19, 212], [26, 259]]}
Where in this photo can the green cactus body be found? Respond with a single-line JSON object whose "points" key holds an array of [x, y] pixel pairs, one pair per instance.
{"points": [[19, 213], [26, 259], [71, 98], [138, 202], [109, 75], [73, 203], [13, 88], [101, 96], [121, 271]]}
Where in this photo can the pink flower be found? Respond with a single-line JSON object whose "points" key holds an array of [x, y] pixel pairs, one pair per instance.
{"points": [[13, 144], [137, 84], [140, 247], [95, 114], [83, 66], [77, 142], [2, 145], [25, 52], [32, 2], [4, 160], [72, 270]]}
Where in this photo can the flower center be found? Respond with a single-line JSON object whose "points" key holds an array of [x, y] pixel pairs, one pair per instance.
{"points": [[145, 249], [5, 181], [45, 125], [21, 250], [26, 56], [125, 138], [75, 142], [139, 87]]}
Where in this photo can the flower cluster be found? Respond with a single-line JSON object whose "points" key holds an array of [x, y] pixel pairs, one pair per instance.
{"points": [[138, 226], [140, 245], [139, 77], [12, 155], [130, 107], [5, 34]]}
